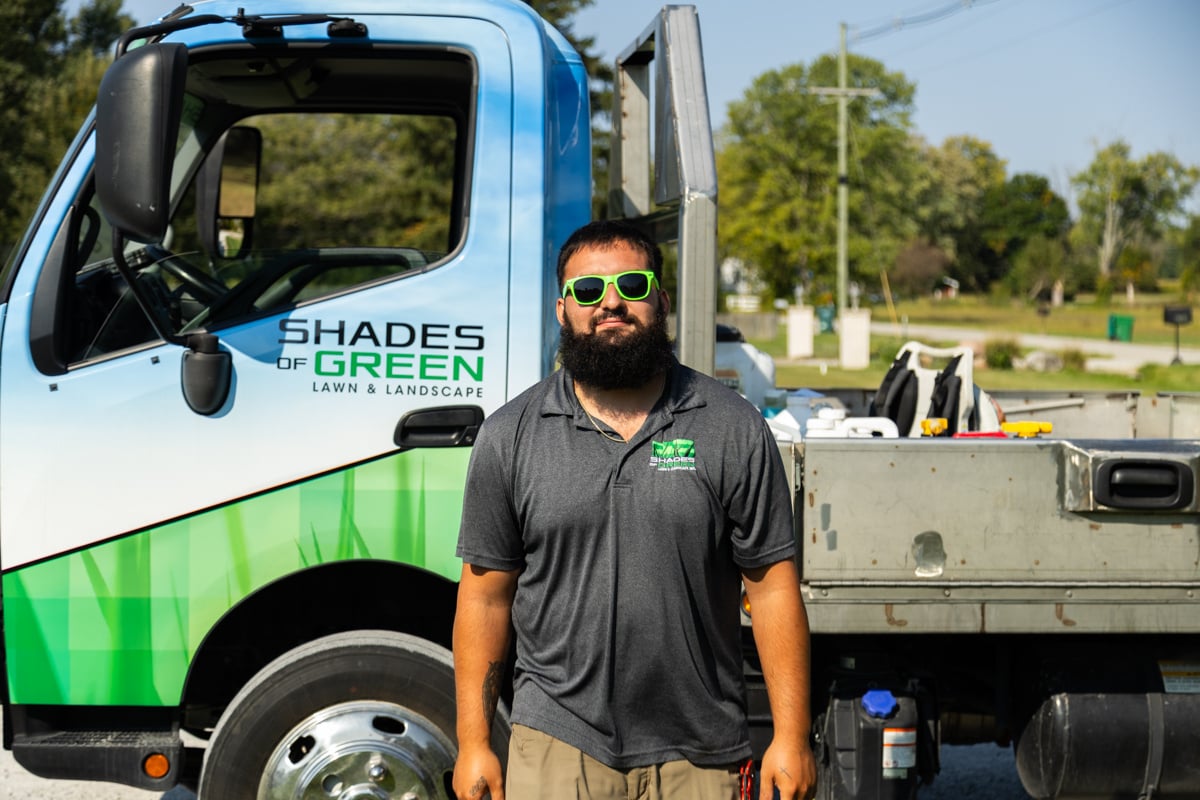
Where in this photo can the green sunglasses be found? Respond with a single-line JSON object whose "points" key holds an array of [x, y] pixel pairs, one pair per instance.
{"points": [[590, 289]]}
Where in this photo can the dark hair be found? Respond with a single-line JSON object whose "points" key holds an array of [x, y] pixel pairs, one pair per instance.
{"points": [[604, 234]]}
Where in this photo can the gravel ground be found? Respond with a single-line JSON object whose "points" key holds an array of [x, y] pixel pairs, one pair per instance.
{"points": [[980, 772]]}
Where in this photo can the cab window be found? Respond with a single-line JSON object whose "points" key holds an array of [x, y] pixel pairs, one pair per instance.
{"points": [[285, 196]]}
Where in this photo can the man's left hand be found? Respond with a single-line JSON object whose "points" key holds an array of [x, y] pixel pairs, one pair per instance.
{"points": [[792, 770]]}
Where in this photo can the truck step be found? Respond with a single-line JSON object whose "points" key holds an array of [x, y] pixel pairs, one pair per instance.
{"points": [[145, 759]]}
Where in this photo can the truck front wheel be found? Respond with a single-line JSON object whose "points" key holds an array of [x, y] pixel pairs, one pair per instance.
{"points": [[366, 714]]}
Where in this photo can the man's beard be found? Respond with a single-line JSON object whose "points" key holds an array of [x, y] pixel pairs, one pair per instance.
{"points": [[627, 360]]}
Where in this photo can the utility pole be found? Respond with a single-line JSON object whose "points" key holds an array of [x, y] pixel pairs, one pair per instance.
{"points": [[843, 95], [843, 179]]}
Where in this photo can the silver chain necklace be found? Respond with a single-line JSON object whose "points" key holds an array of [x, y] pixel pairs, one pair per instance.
{"points": [[599, 430]]}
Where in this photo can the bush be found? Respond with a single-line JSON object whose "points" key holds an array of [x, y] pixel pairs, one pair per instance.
{"points": [[918, 268], [1000, 353], [1073, 359], [1189, 281]]}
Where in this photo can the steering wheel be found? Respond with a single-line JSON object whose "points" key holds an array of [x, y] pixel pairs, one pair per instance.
{"points": [[200, 284]]}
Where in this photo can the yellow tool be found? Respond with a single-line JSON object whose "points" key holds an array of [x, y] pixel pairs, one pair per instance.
{"points": [[1026, 429], [934, 426]]}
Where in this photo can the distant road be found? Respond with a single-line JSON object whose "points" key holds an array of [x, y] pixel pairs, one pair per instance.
{"points": [[1121, 358]]}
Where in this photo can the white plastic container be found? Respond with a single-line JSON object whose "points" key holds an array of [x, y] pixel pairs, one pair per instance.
{"points": [[805, 404], [832, 423]]}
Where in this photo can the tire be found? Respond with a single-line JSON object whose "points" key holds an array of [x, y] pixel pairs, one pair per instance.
{"points": [[366, 714]]}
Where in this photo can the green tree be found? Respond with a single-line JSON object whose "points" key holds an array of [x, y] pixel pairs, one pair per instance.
{"points": [[948, 195], [1189, 274], [1123, 201], [1185, 257], [350, 194], [97, 25], [777, 166], [918, 269], [1011, 215], [560, 14], [948, 202], [49, 70], [1042, 262], [1136, 266], [31, 35]]}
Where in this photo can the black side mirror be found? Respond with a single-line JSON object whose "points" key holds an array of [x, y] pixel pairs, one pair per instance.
{"points": [[137, 122], [207, 374], [227, 192]]}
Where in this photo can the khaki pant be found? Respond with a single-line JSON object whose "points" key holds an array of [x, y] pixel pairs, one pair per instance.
{"points": [[541, 767]]}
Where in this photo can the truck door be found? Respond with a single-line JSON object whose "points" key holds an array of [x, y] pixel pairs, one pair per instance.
{"points": [[340, 223]]}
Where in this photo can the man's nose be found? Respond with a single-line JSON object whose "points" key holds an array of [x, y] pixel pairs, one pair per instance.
{"points": [[612, 298]]}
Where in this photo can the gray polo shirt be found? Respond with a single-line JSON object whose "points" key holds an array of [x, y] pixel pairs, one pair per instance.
{"points": [[626, 612]]}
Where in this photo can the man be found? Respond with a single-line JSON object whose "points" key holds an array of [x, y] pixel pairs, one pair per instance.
{"points": [[612, 513]]}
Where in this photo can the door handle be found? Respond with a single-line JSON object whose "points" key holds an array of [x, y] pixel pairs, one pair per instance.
{"points": [[1144, 485], [445, 426]]}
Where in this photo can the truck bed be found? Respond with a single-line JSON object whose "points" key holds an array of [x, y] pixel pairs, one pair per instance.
{"points": [[942, 535]]}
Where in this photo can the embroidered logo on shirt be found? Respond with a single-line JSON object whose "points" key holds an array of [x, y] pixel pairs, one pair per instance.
{"points": [[674, 455]]}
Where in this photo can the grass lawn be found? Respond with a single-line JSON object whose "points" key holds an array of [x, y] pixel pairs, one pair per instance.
{"points": [[1086, 320]]}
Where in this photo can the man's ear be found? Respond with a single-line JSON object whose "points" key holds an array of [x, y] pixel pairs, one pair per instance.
{"points": [[665, 300], [558, 310]]}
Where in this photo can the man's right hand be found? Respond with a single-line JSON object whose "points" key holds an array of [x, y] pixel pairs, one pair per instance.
{"points": [[477, 774]]}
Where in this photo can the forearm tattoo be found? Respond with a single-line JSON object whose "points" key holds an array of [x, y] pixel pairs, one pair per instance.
{"points": [[491, 689]]}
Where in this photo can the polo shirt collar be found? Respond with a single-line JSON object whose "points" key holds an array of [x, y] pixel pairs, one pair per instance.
{"points": [[678, 395]]}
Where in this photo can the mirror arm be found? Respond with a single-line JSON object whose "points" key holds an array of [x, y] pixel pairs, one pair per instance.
{"points": [[206, 370], [161, 327], [160, 29]]}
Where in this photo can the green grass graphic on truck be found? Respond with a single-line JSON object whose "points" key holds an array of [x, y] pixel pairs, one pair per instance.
{"points": [[118, 623]]}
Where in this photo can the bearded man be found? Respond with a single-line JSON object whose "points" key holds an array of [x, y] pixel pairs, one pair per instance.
{"points": [[612, 514]]}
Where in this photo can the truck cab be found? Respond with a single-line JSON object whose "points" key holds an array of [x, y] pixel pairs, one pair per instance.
{"points": [[289, 263]]}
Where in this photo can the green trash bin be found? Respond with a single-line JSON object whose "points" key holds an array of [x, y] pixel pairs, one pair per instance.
{"points": [[1120, 328], [825, 317]]}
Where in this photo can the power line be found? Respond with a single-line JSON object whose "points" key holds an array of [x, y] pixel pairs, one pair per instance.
{"points": [[1018, 40], [936, 38], [897, 24]]}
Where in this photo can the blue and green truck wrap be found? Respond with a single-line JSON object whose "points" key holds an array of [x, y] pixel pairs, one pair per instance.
{"points": [[289, 263]]}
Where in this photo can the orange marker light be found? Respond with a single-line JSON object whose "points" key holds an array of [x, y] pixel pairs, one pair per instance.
{"points": [[156, 765]]}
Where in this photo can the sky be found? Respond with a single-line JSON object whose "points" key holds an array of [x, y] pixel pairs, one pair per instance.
{"points": [[1046, 82]]}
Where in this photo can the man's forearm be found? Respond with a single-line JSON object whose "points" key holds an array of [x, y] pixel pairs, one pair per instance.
{"points": [[481, 637], [780, 626], [481, 626]]}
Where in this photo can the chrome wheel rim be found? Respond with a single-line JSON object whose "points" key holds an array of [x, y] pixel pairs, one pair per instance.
{"points": [[364, 750]]}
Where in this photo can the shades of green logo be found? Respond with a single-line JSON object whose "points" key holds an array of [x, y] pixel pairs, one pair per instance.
{"points": [[673, 455]]}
